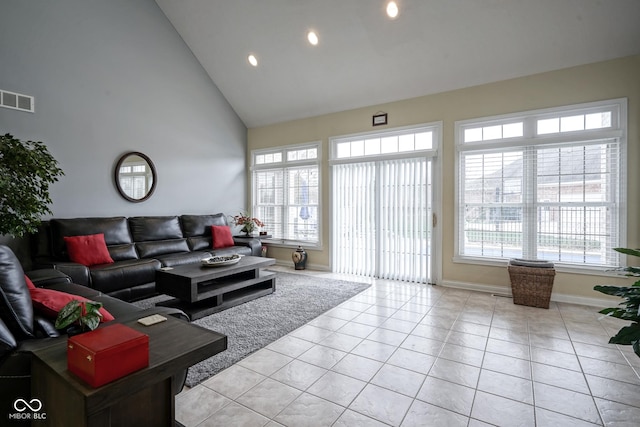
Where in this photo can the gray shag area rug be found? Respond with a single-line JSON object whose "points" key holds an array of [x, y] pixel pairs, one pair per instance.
{"points": [[255, 324]]}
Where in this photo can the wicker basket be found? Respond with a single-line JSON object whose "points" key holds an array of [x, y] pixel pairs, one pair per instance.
{"points": [[531, 286]]}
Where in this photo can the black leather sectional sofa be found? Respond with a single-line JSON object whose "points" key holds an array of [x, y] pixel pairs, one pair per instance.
{"points": [[23, 330], [139, 247]]}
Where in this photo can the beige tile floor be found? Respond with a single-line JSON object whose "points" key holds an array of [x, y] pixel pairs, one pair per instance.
{"points": [[403, 354]]}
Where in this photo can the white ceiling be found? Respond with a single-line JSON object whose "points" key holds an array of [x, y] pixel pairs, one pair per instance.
{"points": [[365, 58]]}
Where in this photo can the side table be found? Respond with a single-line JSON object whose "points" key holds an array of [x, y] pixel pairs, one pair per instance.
{"points": [[254, 236], [143, 398]]}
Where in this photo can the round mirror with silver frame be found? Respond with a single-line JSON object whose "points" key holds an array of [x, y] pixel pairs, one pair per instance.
{"points": [[135, 176]]}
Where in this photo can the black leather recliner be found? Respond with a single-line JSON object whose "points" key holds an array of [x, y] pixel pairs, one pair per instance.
{"points": [[22, 330]]}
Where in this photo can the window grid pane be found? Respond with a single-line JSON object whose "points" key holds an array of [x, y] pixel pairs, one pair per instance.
{"points": [[573, 200], [385, 144], [302, 209], [547, 198], [493, 215], [286, 200]]}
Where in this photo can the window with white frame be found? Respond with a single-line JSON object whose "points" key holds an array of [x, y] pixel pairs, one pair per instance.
{"points": [[382, 202], [286, 192], [547, 184]]}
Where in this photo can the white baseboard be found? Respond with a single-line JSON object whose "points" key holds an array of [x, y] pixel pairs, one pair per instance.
{"points": [[491, 289], [506, 291]]}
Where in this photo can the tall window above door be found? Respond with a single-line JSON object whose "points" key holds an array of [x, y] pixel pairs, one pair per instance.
{"points": [[383, 203], [400, 143], [545, 184], [286, 192]]}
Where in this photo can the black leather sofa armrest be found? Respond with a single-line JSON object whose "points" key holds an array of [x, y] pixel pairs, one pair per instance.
{"points": [[44, 327], [174, 312], [254, 244], [45, 277], [77, 272]]}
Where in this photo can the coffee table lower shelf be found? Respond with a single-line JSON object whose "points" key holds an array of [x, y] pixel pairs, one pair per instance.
{"points": [[223, 296]]}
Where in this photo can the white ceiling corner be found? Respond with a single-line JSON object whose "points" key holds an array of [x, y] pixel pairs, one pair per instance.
{"points": [[364, 58]]}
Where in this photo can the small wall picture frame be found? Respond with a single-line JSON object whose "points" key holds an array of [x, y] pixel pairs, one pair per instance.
{"points": [[379, 119]]}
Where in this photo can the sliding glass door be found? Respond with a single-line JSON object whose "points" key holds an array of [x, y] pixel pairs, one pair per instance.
{"points": [[382, 218]]}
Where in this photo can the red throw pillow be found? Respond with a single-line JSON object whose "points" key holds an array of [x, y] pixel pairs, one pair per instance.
{"points": [[48, 302], [30, 284], [221, 236], [88, 250]]}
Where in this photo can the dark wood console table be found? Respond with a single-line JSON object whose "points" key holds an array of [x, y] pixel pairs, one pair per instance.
{"points": [[201, 291], [143, 398]]}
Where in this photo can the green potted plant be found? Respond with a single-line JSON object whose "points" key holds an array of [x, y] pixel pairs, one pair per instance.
{"points": [[629, 309], [26, 171], [79, 316]]}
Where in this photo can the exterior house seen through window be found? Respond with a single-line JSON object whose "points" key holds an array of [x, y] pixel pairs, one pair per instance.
{"points": [[546, 184], [286, 192]]}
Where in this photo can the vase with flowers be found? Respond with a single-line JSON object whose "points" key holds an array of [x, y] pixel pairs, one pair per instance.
{"points": [[247, 222]]}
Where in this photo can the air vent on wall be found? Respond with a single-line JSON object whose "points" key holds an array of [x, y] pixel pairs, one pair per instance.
{"points": [[16, 101]]}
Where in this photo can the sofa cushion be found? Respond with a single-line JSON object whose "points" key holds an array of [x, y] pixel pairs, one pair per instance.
{"points": [[221, 236], [231, 250], [48, 302], [88, 250], [15, 301], [161, 247], [110, 278], [144, 228], [123, 252], [199, 243], [7, 340], [115, 230], [200, 225], [171, 260]]}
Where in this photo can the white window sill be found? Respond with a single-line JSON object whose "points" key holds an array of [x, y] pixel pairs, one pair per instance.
{"points": [[559, 267]]}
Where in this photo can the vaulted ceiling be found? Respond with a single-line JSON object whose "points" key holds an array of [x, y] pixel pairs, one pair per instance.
{"points": [[365, 58]]}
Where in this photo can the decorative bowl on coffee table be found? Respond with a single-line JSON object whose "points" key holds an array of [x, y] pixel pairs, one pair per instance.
{"points": [[220, 261]]}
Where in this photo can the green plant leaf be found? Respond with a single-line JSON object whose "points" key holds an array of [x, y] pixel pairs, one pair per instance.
{"points": [[627, 335], [91, 321], [628, 251], [629, 308], [86, 314], [26, 171], [70, 313], [613, 312], [612, 290]]}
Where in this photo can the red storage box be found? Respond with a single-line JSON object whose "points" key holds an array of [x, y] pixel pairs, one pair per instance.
{"points": [[108, 353]]}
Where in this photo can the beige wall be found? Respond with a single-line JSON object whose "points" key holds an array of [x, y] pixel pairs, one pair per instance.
{"points": [[605, 80]]}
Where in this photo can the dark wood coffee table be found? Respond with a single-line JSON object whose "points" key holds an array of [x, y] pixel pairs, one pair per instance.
{"points": [[201, 291], [143, 398]]}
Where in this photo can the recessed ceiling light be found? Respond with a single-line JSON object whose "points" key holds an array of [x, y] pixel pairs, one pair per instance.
{"points": [[392, 9], [253, 60], [312, 37]]}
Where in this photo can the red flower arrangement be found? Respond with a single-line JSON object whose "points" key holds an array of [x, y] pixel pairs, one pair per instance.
{"points": [[248, 223]]}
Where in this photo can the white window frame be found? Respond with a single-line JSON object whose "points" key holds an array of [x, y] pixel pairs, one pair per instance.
{"points": [[617, 130], [435, 128], [283, 164], [432, 153]]}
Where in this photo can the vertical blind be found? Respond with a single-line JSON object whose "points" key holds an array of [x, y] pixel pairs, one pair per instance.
{"points": [[354, 219], [382, 218], [404, 216]]}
